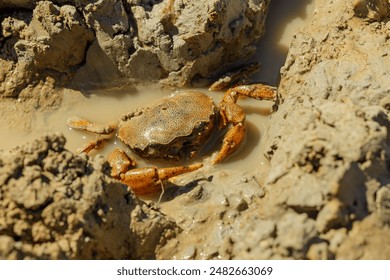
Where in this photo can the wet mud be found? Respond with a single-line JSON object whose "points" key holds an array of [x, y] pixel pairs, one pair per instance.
{"points": [[312, 180]]}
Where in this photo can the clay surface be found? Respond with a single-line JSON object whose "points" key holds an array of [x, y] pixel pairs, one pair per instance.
{"points": [[326, 192], [179, 43], [323, 194], [55, 205]]}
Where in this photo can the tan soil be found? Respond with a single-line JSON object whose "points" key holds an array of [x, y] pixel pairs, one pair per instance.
{"points": [[324, 195]]}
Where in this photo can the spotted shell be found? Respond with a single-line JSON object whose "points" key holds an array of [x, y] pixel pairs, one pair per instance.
{"points": [[174, 128]]}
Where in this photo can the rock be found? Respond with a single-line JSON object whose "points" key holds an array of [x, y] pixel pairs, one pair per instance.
{"points": [[333, 215], [35, 47], [136, 42], [368, 239], [335, 237], [55, 205], [332, 58], [322, 158], [294, 231], [177, 43], [329, 141]]}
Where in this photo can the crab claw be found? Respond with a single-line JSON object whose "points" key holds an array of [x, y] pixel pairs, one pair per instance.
{"points": [[231, 142], [120, 162], [233, 116], [148, 180], [91, 145]]}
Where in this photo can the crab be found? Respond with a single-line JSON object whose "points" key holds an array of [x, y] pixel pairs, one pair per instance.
{"points": [[175, 128]]}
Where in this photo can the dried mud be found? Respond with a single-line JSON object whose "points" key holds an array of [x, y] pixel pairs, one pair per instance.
{"points": [[179, 43], [56, 205], [324, 195]]}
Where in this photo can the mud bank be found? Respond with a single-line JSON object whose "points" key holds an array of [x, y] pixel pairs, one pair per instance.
{"points": [[324, 195], [326, 191], [179, 43], [329, 144], [55, 205]]}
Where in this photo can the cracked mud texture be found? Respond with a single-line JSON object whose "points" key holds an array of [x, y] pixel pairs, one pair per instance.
{"points": [[325, 194], [179, 43], [56, 205], [329, 144]]}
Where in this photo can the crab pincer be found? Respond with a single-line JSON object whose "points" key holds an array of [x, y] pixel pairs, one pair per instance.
{"points": [[233, 116]]}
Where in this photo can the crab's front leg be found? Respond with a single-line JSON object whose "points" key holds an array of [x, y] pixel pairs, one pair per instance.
{"points": [[83, 124], [144, 180], [233, 115], [105, 130]]}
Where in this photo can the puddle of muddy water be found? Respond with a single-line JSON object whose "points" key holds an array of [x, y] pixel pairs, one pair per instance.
{"points": [[284, 18], [103, 107]]}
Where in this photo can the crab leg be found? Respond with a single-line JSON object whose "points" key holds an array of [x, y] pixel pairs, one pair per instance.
{"points": [[144, 180], [236, 76], [91, 145], [120, 162], [256, 91], [102, 129], [78, 123], [233, 115], [148, 180]]}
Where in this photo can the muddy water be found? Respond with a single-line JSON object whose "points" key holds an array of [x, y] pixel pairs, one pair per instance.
{"points": [[105, 108], [284, 19]]}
